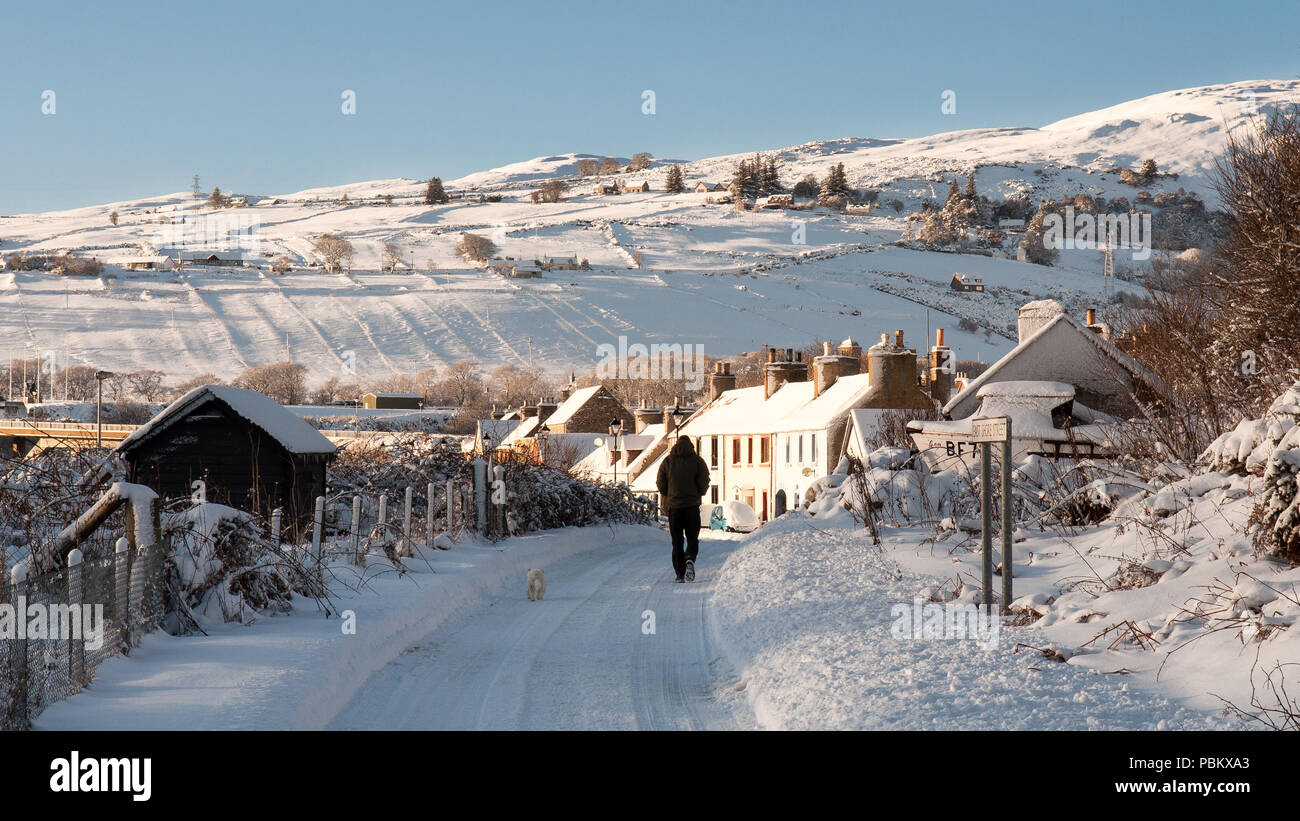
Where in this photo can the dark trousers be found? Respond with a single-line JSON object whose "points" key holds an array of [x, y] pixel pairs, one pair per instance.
{"points": [[684, 526]]}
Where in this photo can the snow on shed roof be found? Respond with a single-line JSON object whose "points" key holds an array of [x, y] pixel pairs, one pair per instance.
{"points": [[277, 421]]}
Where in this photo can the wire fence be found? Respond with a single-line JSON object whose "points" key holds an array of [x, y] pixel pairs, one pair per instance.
{"points": [[65, 623]]}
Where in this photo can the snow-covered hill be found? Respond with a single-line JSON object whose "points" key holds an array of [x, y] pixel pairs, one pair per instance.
{"points": [[709, 275]]}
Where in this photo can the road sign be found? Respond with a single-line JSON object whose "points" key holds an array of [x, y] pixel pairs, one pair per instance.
{"points": [[991, 429]]}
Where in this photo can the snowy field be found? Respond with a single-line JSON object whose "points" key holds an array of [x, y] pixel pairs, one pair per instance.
{"points": [[709, 275]]}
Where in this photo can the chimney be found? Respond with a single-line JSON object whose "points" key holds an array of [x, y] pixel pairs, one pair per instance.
{"points": [[1099, 328], [645, 417], [893, 368], [544, 409], [781, 370], [1034, 315], [943, 367], [829, 367], [721, 380], [527, 411]]}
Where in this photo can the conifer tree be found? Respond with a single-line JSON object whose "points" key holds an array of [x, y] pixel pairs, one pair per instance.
{"points": [[675, 184], [434, 194]]}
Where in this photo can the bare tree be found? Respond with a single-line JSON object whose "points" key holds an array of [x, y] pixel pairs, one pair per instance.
{"points": [[392, 256], [552, 190], [334, 250], [146, 384], [285, 382], [476, 247], [640, 161], [112, 217], [587, 167]]}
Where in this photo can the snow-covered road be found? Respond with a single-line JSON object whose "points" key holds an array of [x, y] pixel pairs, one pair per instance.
{"points": [[582, 659]]}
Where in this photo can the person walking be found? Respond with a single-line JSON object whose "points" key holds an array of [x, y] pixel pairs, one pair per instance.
{"points": [[682, 481]]}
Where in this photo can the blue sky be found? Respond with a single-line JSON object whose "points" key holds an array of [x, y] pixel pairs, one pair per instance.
{"points": [[247, 95]]}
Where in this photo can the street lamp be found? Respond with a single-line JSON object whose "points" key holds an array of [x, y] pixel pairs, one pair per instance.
{"points": [[100, 376], [678, 414], [615, 430]]}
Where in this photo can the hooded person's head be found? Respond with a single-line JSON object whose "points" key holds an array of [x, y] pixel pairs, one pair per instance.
{"points": [[683, 447]]}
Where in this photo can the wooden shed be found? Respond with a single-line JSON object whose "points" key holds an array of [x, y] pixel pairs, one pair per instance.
{"points": [[250, 452]]}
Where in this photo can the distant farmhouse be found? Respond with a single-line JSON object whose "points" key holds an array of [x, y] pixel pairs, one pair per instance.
{"points": [[961, 282], [604, 189], [775, 201], [412, 401], [707, 187], [149, 262], [859, 209], [515, 269], [637, 187], [223, 259]]}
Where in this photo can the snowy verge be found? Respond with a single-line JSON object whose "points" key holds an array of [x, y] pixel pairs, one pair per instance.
{"points": [[805, 611], [298, 671]]}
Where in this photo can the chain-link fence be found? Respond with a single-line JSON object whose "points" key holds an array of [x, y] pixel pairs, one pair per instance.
{"points": [[66, 622]]}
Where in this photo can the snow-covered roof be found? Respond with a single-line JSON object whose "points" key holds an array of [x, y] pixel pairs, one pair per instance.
{"points": [[1029, 405], [571, 405], [379, 394], [835, 401], [277, 421], [521, 431], [1059, 319], [497, 429]]}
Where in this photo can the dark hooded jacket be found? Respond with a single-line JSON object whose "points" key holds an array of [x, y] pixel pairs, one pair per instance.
{"points": [[683, 477]]}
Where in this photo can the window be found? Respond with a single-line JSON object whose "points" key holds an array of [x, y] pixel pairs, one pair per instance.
{"points": [[764, 449], [787, 450], [713, 495], [801, 448], [814, 447], [713, 453], [749, 460], [735, 451]]}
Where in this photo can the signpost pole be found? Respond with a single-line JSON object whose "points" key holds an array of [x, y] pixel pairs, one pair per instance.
{"points": [[986, 516], [1006, 520]]}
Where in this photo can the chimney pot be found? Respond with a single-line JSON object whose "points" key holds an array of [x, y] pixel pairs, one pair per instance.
{"points": [[898, 338], [938, 337], [826, 349], [1092, 316]]}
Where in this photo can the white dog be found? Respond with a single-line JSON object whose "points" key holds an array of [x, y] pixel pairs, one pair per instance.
{"points": [[536, 584]]}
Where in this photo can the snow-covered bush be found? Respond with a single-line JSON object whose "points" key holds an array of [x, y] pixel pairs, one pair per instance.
{"points": [[539, 497], [1247, 448], [225, 567]]}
